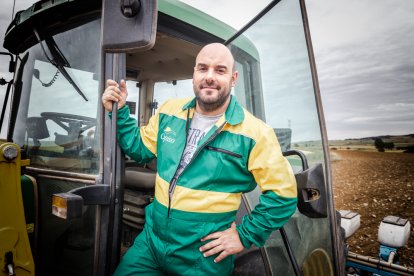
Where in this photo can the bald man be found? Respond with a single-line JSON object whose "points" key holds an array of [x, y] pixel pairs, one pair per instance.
{"points": [[209, 151]]}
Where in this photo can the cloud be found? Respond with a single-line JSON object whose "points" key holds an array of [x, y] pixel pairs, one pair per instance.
{"points": [[366, 76], [396, 107]]}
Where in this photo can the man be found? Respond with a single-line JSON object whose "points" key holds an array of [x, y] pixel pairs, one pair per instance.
{"points": [[209, 151]]}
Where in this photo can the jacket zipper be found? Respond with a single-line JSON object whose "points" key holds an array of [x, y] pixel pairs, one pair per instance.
{"points": [[175, 178], [224, 151]]}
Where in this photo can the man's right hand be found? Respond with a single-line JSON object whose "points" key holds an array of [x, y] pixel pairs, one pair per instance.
{"points": [[114, 92]]}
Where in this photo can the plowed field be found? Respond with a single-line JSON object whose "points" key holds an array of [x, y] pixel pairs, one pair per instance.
{"points": [[375, 184]]}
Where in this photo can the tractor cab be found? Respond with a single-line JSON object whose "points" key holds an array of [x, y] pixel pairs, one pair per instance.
{"points": [[87, 197]]}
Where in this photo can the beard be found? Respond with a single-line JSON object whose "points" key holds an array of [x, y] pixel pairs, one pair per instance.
{"points": [[209, 103]]}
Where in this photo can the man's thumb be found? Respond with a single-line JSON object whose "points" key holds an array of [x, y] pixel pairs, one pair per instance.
{"points": [[122, 85]]}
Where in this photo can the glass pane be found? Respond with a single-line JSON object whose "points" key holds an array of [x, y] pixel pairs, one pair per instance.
{"points": [[133, 99], [56, 125], [244, 10], [173, 89], [276, 85]]}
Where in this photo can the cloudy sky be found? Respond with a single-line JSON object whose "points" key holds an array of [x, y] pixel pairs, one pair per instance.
{"points": [[364, 54], [365, 59]]}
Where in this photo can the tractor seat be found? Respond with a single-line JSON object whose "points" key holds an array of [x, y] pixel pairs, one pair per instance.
{"points": [[141, 179]]}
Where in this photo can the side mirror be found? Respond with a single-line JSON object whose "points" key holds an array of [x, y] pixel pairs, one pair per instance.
{"points": [[130, 26], [12, 63]]}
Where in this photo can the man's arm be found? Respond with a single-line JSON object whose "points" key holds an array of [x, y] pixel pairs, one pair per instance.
{"points": [[273, 174], [138, 143]]}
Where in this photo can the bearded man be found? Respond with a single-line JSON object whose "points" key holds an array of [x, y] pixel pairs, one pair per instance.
{"points": [[209, 151]]}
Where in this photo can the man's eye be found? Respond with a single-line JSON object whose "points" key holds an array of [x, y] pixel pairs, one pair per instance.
{"points": [[221, 71], [202, 69]]}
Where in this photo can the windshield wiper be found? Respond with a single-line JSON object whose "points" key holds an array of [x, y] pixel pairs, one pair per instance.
{"points": [[58, 60]]}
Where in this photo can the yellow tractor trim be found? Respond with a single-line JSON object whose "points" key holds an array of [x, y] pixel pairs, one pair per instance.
{"points": [[15, 253]]}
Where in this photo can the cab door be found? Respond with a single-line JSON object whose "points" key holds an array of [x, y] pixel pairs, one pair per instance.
{"points": [[278, 83]]}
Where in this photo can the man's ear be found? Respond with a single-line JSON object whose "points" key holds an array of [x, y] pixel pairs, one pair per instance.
{"points": [[234, 77], [192, 79]]}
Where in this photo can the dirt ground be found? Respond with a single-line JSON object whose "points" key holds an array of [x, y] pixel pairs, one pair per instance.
{"points": [[375, 185]]}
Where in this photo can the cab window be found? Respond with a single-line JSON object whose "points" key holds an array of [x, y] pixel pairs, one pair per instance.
{"points": [[56, 125]]}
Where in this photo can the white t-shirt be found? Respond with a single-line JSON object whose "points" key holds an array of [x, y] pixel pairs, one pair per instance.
{"points": [[200, 125]]}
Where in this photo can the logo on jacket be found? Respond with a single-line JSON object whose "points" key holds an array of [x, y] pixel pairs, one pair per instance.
{"points": [[168, 135]]}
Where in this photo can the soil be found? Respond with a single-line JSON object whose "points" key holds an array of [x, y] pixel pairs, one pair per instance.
{"points": [[375, 185]]}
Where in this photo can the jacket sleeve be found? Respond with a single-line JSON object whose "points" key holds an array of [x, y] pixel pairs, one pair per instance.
{"points": [[139, 143], [274, 175]]}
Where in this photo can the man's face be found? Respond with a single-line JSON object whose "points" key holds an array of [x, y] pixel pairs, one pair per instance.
{"points": [[213, 77]]}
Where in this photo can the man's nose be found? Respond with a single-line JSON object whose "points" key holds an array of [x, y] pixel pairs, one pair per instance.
{"points": [[210, 75]]}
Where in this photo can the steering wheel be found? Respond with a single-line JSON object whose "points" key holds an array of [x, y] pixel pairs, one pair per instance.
{"points": [[68, 121]]}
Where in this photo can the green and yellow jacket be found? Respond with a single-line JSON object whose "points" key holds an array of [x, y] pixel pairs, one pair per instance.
{"points": [[238, 153]]}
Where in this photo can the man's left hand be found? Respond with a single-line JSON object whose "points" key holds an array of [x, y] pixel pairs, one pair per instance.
{"points": [[225, 242]]}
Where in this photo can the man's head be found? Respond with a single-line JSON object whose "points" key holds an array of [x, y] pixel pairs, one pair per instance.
{"points": [[214, 76]]}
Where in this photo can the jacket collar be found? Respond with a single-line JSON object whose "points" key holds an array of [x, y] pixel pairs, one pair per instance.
{"points": [[234, 114]]}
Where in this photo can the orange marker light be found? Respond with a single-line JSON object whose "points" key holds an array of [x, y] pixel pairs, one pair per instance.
{"points": [[67, 205], [59, 206]]}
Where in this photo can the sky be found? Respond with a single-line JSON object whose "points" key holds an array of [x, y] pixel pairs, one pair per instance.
{"points": [[364, 52]]}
